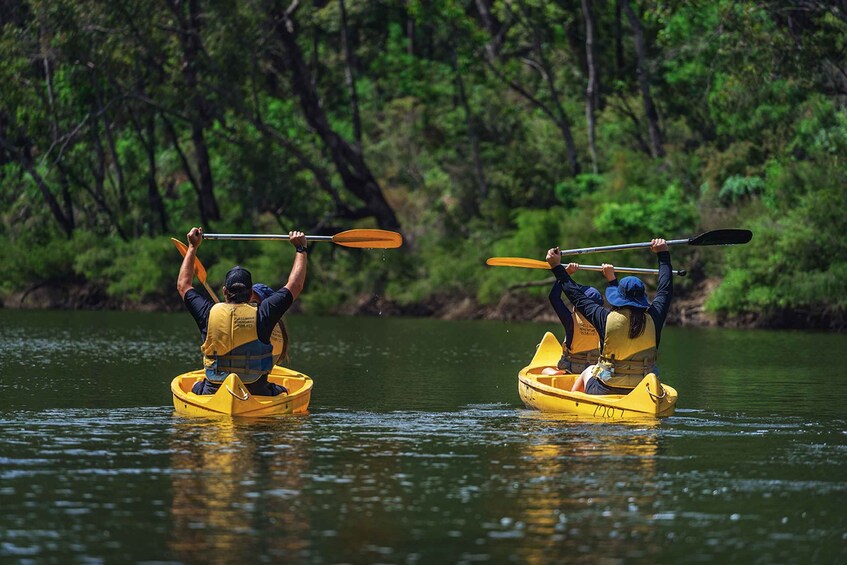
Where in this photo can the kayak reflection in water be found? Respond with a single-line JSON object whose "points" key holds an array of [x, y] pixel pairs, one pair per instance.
{"points": [[237, 334], [581, 346], [630, 332]]}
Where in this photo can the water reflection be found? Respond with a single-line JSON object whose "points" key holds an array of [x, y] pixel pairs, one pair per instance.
{"points": [[588, 485], [416, 451], [237, 489]]}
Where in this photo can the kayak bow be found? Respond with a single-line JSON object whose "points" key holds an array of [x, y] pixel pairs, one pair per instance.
{"points": [[233, 398]]}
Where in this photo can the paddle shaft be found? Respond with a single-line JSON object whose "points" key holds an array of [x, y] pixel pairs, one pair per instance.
{"points": [[646, 244], [356, 238], [259, 237], [631, 270], [211, 292], [523, 263], [715, 237]]}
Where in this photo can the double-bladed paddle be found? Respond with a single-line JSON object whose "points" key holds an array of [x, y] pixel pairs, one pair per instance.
{"points": [[714, 237], [364, 238], [199, 269], [535, 264]]}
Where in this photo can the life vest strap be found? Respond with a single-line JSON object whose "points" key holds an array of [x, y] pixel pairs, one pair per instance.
{"points": [[629, 367], [215, 358], [583, 357]]}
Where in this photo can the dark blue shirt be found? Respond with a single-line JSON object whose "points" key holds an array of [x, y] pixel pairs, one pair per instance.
{"points": [[268, 313], [597, 314], [562, 310]]}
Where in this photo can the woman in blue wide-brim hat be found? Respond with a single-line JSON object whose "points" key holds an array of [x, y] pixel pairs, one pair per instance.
{"points": [[630, 332]]}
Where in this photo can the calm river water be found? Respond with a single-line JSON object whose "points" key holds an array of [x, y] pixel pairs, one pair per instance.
{"points": [[416, 449]]}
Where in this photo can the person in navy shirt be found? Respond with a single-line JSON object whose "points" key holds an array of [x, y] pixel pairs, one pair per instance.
{"points": [[238, 291]]}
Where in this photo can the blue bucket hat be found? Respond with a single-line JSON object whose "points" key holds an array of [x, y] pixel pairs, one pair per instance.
{"points": [[263, 291], [629, 292], [593, 295]]}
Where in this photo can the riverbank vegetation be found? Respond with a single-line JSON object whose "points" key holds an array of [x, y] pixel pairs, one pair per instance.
{"points": [[477, 128]]}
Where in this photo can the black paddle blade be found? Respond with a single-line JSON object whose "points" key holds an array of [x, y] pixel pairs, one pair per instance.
{"points": [[722, 237]]}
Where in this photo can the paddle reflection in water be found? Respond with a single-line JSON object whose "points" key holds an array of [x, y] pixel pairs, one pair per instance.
{"points": [[238, 489], [588, 485]]}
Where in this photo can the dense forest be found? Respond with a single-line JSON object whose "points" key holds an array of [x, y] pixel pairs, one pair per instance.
{"points": [[475, 127]]}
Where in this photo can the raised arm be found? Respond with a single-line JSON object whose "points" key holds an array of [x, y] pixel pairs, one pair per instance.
{"points": [[185, 279], [297, 277], [559, 306], [664, 292], [593, 312], [562, 311]]}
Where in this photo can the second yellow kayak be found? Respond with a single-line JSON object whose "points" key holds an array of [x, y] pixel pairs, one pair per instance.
{"points": [[552, 393]]}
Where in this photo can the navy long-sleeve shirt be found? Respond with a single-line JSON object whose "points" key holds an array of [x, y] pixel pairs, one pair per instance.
{"points": [[597, 314], [562, 310]]}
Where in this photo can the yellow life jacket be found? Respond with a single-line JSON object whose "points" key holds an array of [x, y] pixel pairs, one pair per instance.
{"points": [[632, 358], [278, 343], [232, 344], [585, 345]]}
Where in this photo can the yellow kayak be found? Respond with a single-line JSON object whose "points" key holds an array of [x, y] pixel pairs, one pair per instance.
{"points": [[552, 393], [233, 398]]}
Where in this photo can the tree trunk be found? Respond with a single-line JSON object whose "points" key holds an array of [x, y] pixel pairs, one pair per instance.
{"points": [[493, 27], [563, 121], [154, 198], [410, 33], [349, 163], [653, 129], [199, 107], [592, 91], [208, 204], [350, 76], [67, 201], [100, 200], [619, 57], [110, 140], [21, 150], [471, 207], [186, 165]]}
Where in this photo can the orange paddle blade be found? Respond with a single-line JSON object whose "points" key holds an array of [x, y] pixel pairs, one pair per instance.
{"points": [[369, 239], [199, 269], [517, 262]]}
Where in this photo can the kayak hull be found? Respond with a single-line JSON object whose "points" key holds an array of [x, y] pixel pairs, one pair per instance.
{"points": [[552, 393], [233, 398]]}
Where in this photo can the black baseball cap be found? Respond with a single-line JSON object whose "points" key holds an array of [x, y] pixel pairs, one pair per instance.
{"points": [[238, 284]]}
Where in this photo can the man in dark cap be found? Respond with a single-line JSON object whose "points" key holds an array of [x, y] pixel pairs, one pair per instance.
{"points": [[238, 334]]}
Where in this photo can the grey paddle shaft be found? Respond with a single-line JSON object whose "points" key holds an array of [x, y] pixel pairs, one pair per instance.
{"points": [[259, 237], [646, 244], [631, 270]]}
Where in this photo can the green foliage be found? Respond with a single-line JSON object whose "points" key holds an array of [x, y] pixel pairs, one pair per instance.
{"points": [[116, 132], [797, 260], [668, 213], [570, 191], [737, 188], [129, 271], [536, 231], [34, 259]]}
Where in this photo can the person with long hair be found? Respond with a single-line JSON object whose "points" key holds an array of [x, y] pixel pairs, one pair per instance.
{"points": [[630, 332]]}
